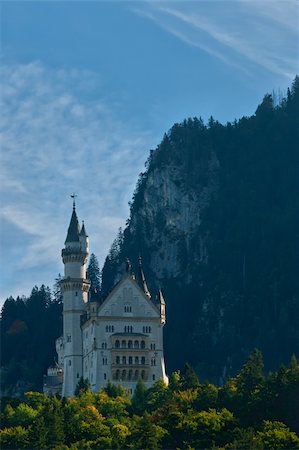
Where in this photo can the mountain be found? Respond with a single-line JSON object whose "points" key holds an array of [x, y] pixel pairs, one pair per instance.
{"points": [[215, 217]]}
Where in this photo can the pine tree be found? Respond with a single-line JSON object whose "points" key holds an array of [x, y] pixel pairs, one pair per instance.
{"points": [[94, 276]]}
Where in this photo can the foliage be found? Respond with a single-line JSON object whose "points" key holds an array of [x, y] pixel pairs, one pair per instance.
{"points": [[251, 411], [94, 276], [29, 327]]}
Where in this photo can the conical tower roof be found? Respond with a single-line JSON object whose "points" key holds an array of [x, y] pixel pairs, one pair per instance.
{"points": [[74, 228], [143, 279], [161, 298], [83, 231]]}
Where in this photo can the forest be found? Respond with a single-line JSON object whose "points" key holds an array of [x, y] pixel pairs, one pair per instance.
{"points": [[215, 216], [250, 411]]}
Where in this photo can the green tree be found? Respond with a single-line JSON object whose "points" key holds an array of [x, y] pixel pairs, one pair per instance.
{"points": [[82, 386], [276, 435], [94, 276], [189, 379], [139, 398], [14, 438]]}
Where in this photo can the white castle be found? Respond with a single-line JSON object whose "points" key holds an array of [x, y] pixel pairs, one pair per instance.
{"points": [[119, 339]]}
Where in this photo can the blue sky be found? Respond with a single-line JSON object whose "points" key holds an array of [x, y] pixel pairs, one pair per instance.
{"points": [[89, 87]]}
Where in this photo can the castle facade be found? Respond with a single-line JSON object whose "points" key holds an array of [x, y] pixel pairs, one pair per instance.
{"points": [[118, 339]]}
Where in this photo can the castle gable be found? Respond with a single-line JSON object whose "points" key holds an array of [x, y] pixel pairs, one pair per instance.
{"points": [[128, 300]]}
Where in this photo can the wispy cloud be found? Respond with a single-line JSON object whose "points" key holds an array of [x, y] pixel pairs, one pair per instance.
{"points": [[56, 138], [243, 34]]}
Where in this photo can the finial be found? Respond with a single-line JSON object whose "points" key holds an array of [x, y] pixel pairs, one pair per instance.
{"points": [[73, 196]]}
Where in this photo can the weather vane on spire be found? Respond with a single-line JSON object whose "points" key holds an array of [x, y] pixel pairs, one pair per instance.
{"points": [[73, 196]]}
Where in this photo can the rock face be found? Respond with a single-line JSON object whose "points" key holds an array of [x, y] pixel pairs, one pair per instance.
{"points": [[209, 219]]}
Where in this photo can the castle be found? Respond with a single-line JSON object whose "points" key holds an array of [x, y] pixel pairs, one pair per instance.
{"points": [[119, 339]]}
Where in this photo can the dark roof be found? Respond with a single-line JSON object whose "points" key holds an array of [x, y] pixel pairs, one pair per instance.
{"points": [[74, 229], [83, 231]]}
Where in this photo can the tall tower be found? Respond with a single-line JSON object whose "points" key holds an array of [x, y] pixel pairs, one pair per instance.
{"points": [[74, 288]]}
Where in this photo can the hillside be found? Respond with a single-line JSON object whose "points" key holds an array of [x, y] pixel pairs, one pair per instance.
{"points": [[215, 217]]}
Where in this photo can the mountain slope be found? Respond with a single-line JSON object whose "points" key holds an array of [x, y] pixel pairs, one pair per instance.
{"points": [[215, 218]]}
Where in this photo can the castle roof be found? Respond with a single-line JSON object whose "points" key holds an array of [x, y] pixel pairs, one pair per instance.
{"points": [[83, 231], [74, 228]]}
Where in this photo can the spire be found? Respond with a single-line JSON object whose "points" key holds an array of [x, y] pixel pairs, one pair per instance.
{"points": [[83, 231], [74, 227], [143, 280], [161, 298]]}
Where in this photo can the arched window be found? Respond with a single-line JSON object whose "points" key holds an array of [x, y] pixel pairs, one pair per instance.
{"points": [[123, 375], [143, 374], [136, 374], [136, 344], [123, 344], [117, 375], [130, 375], [130, 360], [142, 344], [117, 360], [117, 344], [130, 344], [124, 360], [142, 360], [136, 359]]}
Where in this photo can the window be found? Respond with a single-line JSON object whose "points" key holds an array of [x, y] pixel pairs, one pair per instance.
{"points": [[153, 346], [105, 376], [128, 329], [130, 344], [109, 328], [117, 360], [136, 344], [154, 377], [76, 294], [124, 360], [117, 345], [128, 308], [123, 344], [130, 375], [117, 375], [153, 362], [123, 375], [143, 374], [69, 338], [130, 360], [70, 362], [136, 359], [142, 344], [142, 360], [77, 375]]}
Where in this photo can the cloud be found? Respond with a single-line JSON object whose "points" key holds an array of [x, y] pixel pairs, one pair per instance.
{"points": [[60, 134], [242, 34]]}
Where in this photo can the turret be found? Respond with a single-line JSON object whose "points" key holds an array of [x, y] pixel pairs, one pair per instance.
{"points": [[143, 279], [161, 303], [83, 239], [74, 288]]}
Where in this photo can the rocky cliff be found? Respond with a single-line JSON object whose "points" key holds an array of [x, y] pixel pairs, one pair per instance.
{"points": [[215, 218]]}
